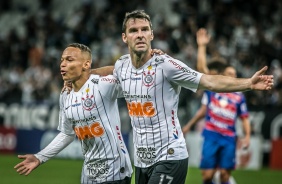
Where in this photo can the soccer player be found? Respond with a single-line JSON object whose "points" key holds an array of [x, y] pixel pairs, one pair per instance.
{"points": [[221, 111], [151, 87], [91, 113]]}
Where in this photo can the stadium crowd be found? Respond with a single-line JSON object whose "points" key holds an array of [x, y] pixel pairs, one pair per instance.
{"points": [[248, 34]]}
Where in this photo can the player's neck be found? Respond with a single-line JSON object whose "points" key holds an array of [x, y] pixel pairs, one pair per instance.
{"points": [[77, 84], [138, 60]]}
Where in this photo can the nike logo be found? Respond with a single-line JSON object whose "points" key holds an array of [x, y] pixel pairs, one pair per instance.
{"points": [[73, 105], [124, 79], [67, 107]]}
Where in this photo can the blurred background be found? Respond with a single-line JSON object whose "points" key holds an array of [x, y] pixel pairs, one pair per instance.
{"points": [[248, 34]]}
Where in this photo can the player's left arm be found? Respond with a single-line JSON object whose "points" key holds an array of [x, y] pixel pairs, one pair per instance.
{"points": [[32, 161], [220, 83]]}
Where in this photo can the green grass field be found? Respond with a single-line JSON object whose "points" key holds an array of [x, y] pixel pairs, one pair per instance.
{"points": [[58, 171]]}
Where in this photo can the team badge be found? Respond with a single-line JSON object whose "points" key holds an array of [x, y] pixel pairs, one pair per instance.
{"points": [[149, 77], [159, 59], [87, 102]]}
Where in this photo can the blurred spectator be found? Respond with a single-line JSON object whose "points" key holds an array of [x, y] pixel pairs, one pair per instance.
{"points": [[247, 33]]}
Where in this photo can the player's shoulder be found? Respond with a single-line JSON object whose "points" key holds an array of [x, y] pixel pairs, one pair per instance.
{"points": [[97, 79], [167, 62], [122, 60], [161, 59], [108, 80], [63, 96]]}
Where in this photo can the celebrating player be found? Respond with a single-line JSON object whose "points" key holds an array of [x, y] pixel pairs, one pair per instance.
{"points": [[90, 112], [151, 87]]}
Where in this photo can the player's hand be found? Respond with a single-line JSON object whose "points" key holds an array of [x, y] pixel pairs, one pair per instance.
{"points": [[203, 38], [245, 143], [186, 129], [29, 164], [259, 81], [67, 87], [157, 51]]}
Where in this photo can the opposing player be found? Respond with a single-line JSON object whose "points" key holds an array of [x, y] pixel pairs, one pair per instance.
{"points": [[221, 111], [151, 87], [90, 112]]}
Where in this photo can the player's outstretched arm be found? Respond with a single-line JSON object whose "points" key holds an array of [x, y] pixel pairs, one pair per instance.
{"points": [[199, 115], [29, 164], [219, 83]]}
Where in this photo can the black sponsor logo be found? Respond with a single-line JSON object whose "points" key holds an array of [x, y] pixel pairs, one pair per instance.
{"points": [[158, 59], [97, 170], [146, 153], [95, 81]]}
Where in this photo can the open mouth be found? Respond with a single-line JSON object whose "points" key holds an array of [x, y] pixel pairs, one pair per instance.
{"points": [[63, 72]]}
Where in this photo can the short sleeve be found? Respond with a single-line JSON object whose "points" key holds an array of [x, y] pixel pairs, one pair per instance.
{"points": [[179, 73]]}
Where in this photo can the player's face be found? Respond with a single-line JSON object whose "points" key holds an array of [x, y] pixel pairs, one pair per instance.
{"points": [[71, 66], [230, 71], [138, 35]]}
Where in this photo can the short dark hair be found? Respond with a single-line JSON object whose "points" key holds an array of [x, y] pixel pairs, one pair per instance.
{"points": [[137, 14], [217, 66], [81, 47]]}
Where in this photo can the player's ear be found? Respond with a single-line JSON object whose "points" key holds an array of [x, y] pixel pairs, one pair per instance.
{"points": [[124, 38], [152, 35], [86, 65]]}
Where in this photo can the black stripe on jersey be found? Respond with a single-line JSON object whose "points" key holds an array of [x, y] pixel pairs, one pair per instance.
{"points": [[138, 119], [133, 117], [129, 89], [86, 140], [126, 68], [164, 109], [142, 101], [155, 93], [102, 123], [164, 112]]}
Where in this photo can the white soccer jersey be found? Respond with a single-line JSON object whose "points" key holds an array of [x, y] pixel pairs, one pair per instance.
{"points": [[92, 114], [152, 94]]}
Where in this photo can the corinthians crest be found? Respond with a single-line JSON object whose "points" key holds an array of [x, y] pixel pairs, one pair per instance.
{"points": [[148, 77], [87, 102]]}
